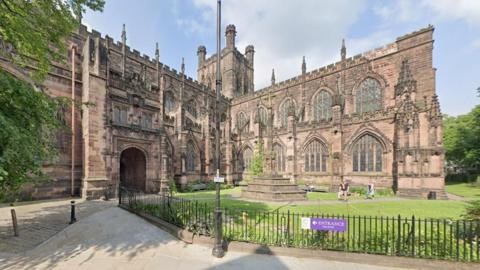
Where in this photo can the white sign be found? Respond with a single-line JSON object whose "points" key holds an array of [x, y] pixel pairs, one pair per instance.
{"points": [[218, 179], [306, 223]]}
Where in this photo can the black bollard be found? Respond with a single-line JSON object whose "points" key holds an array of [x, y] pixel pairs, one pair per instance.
{"points": [[73, 219], [14, 222]]}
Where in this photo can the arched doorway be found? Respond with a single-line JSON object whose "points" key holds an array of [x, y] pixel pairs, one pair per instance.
{"points": [[133, 169]]}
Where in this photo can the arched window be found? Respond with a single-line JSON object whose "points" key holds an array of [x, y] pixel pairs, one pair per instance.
{"points": [[369, 96], [285, 108], [190, 157], [262, 116], [191, 107], [367, 154], [322, 106], [247, 158], [279, 155], [169, 102], [241, 122], [316, 157]]}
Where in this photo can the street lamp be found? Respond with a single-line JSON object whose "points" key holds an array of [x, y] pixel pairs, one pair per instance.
{"points": [[218, 248]]}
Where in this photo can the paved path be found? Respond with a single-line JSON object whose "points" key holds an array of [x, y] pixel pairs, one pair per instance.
{"points": [[41, 220], [116, 239]]}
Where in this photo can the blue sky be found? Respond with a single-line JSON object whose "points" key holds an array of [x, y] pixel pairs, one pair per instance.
{"points": [[284, 31]]}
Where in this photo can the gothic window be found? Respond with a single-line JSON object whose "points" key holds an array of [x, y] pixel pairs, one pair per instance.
{"points": [[120, 115], [285, 108], [241, 122], [367, 155], [191, 107], [169, 102], [322, 106], [147, 120], [279, 155], [247, 158], [262, 116], [190, 157], [316, 157], [369, 96]]}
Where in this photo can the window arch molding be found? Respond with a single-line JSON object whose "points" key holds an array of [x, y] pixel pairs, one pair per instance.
{"points": [[192, 156], [367, 153], [360, 100], [241, 122], [169, 101], [283, 109], [320, 95], [244, 158], [370, 130], [315, 155], [262, 115]]}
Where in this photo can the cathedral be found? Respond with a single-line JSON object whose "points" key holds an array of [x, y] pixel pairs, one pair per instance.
{"points": [[371, 118]]}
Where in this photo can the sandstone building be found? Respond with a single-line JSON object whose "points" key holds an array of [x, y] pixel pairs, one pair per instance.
{"points": [[370, 118]]}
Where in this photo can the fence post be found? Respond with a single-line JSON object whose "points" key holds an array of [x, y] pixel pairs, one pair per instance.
{"points": [[413, 235], [399, 235], [14, 222]]}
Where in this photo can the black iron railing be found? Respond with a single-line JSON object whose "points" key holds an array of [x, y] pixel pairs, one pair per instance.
{"points": [[396, 236]]}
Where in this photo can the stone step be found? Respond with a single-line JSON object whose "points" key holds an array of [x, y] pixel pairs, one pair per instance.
{"points": [[284, 181], [420, 194], [259, 187], [275, 196]]}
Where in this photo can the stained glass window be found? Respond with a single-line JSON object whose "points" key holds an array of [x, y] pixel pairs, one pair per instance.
{"points": [[262, 116], [322, 106], [316, 157], [369, 96], [190, 157], [285, 108], [191, 107], [169, 102], [241, 122], [279, 155], [367, 154]]}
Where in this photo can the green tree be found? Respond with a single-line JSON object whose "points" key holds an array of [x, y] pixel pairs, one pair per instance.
{"points": [[461, 139], [37, 29], [32, 32], [256, 165]]}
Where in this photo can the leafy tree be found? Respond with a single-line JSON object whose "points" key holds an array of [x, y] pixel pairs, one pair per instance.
{"points": [[37, 29], [32, 32], [461, 139], [256, 165]]}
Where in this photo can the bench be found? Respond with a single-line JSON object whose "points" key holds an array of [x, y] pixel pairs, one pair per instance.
{"points": [[200, 186], [314, 188]]}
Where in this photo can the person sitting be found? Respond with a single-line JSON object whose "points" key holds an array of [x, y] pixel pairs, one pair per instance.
{"points": [[341, 188], [370, 191]]}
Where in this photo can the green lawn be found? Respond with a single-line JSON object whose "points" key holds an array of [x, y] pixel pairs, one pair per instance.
{"points": [[466, 190], [405, 208]]}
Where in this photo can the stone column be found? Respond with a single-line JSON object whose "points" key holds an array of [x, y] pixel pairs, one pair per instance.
{"points": [[290, 152], [228, 150]]}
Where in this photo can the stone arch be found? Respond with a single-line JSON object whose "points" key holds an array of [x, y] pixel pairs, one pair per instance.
{"points": [[373, 76], [133, 168], [315, 136], [325, 113], [282, 115], [374, 132], [243, 164], [315, 155]]}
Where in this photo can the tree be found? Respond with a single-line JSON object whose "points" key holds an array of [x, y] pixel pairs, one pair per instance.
{"points": [[256, 165], [37, 29], [461, 139], [32, 32]]}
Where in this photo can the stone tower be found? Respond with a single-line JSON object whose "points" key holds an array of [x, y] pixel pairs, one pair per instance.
{"points": [[237, 68]]}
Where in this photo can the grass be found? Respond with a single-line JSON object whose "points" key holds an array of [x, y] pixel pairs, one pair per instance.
{"points": [[466, 190], [405, 208]]}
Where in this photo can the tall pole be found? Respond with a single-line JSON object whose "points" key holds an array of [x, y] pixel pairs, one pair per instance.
{"points": [[218, 248], [72, 167]]}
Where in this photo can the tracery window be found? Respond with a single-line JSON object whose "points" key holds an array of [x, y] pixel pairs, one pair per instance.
{"points": [[190, 157], [285, 108], [322, 106], [241, 122], [247, 158], [369, 96], [367, 154], [169, 102], [316, 157], [191, 107], [147, 120], [120, 114], [262, 116], [279, 155]]}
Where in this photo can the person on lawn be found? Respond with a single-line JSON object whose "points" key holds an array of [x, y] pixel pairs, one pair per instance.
{"points": [[370, 191]]}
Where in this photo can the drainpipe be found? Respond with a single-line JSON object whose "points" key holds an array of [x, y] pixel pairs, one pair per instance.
{"points": [[72, 168]]}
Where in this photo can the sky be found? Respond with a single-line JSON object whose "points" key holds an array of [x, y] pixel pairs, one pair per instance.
{"points": [[283, 31]]}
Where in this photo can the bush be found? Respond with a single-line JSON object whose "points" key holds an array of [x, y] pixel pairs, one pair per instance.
{"points": [[172, 187], [473, 210]]}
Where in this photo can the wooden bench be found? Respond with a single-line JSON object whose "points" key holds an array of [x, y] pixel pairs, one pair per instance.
{"points": [[200, 186]]}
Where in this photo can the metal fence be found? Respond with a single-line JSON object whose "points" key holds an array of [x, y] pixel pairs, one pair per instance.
{"points": [[396, 236]]}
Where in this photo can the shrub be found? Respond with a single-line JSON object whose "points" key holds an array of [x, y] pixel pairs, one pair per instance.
{"points": [[473, 210]]}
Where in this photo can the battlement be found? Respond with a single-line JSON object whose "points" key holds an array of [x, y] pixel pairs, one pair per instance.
{"points": [[358, 59]]}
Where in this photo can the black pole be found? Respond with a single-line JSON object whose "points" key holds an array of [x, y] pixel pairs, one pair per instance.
{"points": [[73, 219], [218, 248]]}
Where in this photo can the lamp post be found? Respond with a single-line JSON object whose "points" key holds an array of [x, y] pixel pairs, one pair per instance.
{"points": [[218, 248]]}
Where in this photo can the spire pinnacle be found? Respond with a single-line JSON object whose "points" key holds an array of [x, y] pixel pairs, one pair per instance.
{"points": [[157, 52], [124, 35], [304, 66], [343, 50], [183, 66], [273, 76]]}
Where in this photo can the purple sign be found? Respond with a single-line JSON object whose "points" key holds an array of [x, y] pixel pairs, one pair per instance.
{"points": [[324, 224]]}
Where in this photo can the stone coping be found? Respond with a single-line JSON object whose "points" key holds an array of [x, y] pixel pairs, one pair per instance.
{"points": [[351, 257]]}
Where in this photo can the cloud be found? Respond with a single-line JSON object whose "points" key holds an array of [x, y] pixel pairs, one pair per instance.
{"points": [[468, 10], [284, 31], [476, 43]]}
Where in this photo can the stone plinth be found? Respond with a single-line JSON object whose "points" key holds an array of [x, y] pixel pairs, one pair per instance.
{"points": [[273, 188]]}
